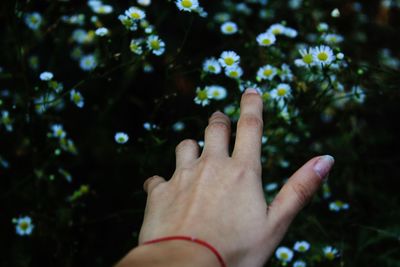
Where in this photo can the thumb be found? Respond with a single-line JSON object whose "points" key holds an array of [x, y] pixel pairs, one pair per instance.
{"points": [[297, 192]]}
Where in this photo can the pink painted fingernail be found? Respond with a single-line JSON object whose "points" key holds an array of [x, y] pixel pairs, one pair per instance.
{"points": [[251, 91], [324, 165]]}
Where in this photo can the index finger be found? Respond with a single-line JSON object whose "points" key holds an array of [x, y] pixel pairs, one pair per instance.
{"points": [[249, 127]]}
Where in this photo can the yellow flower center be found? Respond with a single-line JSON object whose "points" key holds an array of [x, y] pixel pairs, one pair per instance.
{"points": [[233, 73], [265, 96], [76, 98], [155, 44], [229, 28], [202, 95], [268, 72], [266, 41], [135, 15], [308, 59], [211, 68], [187, 3], [330, 256], [276, 31], [229, 61], [216, 93], [23, 225], [284, 256], [281, 91], [322, 56]]}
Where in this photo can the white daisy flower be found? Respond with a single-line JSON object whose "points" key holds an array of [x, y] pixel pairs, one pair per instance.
{"points": [[234, 72], [323, 55], [299, 263], [58, 131], [229, 28], [136, 46], [46, 76], [229, 59], [264, 140], [295, 4], [81, 36], [216, 92], [6, 120], [128, 23], [77, 98], [121, 138], [266, 39], [147, 67], [301, 246], [358, 93], [335, 13], [212, 65], [178, 126], [280, 93], [144, 2], [271, 187], [150, 126], [202, 97], [330, 252], [230, 110], [155, 44], [284, 254], [266, 72], [307, 58], [338, 205], [291, 33], [135, 13], [326, 190], [102, 31], [332, 39], [33, 20], [285, 73], [340, 56], [187, 5], [23, 225], [88, 62], [322, 27], [103, 9], [222, 17], [94, 3], [276, 29]]}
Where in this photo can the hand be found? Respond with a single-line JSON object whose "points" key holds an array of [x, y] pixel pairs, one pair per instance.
{"points": [[219, 198]]}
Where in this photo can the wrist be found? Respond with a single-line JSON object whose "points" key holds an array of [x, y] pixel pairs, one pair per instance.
{"points": [[174, 253]]}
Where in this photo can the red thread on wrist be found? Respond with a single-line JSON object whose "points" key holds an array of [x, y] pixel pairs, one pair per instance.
{"points": [[191, 239]]}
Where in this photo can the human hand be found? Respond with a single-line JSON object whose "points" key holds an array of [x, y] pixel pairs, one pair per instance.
{"points": [[219, 198]]}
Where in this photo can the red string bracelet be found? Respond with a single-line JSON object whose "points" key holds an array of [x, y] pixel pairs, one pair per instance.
{"points": [[192, 239]]}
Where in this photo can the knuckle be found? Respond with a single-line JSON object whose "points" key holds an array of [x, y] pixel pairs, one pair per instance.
{"points": [[217, 126], [302, 193], [149, 183], [251, 121]]}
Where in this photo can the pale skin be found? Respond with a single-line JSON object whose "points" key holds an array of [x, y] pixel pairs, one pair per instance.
{"points": [[219, 198]]}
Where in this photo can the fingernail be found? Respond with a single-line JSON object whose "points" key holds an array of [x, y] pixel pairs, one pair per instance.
{"points": [[251, 91], [324, 165]]}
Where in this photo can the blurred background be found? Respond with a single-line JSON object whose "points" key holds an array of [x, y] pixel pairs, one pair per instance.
{"points": [[82, 189]]}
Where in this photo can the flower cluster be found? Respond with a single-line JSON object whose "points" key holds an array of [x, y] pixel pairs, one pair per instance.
{"points": [[286, 255]]}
